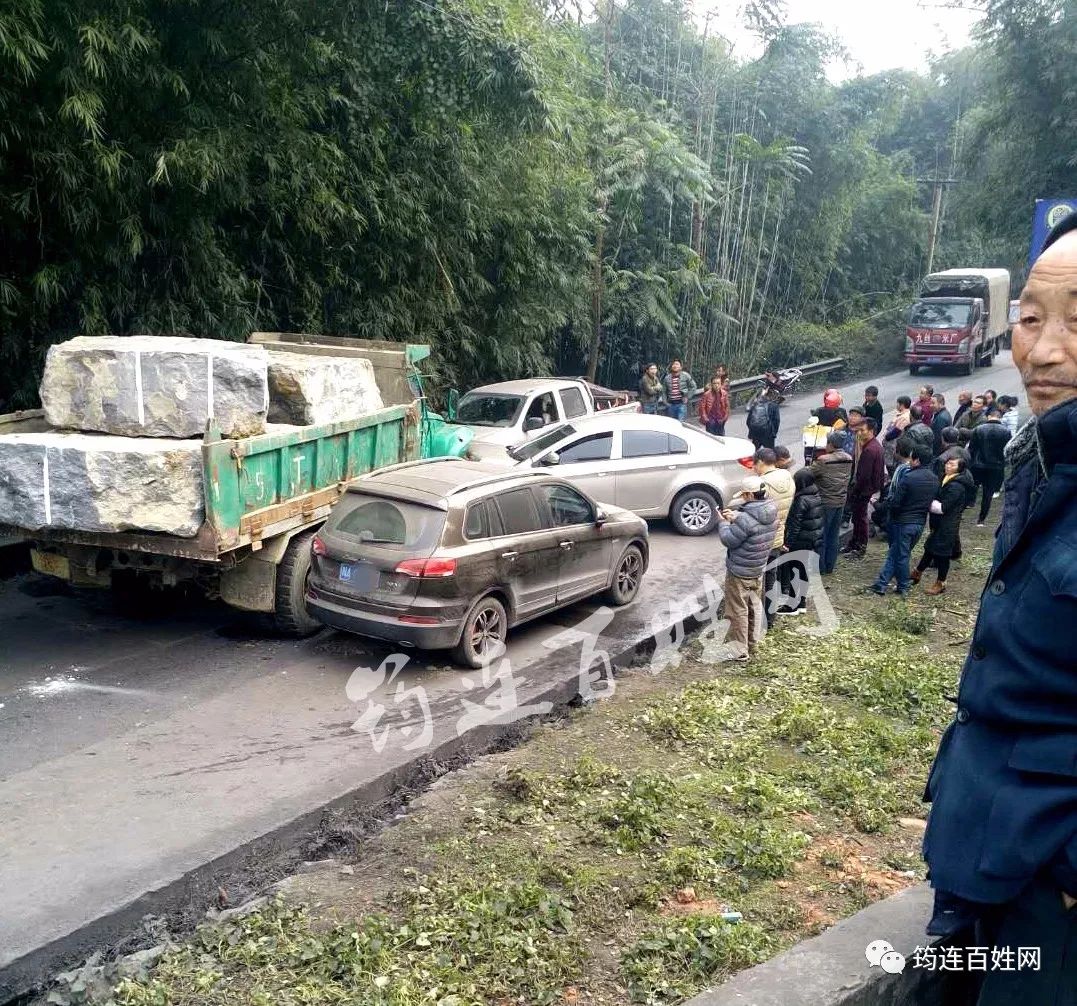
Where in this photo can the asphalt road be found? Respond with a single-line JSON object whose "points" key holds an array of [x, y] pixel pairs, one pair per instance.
{"points": [[134, 750]]}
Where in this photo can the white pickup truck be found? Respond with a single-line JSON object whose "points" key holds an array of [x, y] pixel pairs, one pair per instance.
{"points": [[507, 413]]}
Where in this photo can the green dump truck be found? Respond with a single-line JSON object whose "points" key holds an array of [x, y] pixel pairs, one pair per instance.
{"points": [[265, 495]]}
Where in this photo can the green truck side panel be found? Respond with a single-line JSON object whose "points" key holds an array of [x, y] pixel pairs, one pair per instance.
{"points": [[244, 476]]}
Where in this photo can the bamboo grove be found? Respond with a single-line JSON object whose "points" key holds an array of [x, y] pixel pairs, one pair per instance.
{"points": [[524, 186]]}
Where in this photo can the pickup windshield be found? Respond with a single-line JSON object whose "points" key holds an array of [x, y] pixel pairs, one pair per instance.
{"points": [[939, 314], [489, 410], [536, 445]]}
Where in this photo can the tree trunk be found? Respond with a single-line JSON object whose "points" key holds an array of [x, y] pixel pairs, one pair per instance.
{"points": [[597, 285]]}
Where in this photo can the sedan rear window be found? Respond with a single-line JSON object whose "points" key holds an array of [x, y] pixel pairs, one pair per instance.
{"points": [[647, 443], [372, 520]]}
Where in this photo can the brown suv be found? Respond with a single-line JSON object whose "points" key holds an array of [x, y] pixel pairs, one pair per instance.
{"points": [[450, 554]]}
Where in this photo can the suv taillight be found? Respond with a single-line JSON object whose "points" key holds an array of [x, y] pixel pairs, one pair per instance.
{"points": [[427, 567], [748, 462], [317, 546]]}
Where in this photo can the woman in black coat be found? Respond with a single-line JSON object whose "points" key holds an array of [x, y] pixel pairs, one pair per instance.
{"points": [[803, 533], [945, 523]]}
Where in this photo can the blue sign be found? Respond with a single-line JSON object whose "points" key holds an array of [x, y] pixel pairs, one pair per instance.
{"points": [[1048, 213]]}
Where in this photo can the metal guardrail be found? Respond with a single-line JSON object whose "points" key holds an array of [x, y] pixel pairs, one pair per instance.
{"points": [[743, 384]]}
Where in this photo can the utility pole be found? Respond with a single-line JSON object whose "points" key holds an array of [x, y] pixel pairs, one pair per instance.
{"points": [[936, 212]]}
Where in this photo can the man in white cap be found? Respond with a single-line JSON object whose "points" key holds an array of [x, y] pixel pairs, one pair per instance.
{"points": [[747, 534]]}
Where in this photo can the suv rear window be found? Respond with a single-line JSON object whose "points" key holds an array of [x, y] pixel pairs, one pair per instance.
{"points": [[372, 520]]}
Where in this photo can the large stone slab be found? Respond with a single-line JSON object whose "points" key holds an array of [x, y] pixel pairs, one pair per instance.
{"points": [[155, 386], [308, 390], [92, 482]]}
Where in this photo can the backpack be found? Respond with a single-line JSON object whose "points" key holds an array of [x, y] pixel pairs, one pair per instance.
{"points": [[759, 418]]}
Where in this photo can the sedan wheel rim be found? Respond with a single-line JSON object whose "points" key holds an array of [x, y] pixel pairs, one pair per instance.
{"points": [[696, 513], [486, 631], [628, 574]]}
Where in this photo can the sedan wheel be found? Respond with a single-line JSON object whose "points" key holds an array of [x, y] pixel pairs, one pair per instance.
{"points": [[694, 512], [484, 635], [627, 578]]}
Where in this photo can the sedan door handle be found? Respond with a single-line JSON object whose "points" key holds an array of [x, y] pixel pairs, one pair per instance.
{"points": [[566, 545], [509, 555]]}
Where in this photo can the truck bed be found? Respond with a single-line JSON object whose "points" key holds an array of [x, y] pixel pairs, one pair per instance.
{"points": [[260, 486]]}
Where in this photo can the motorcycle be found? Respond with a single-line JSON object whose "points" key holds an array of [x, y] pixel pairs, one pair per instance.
{"points": [[780, 381]]}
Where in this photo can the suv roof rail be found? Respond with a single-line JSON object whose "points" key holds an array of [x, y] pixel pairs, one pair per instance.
{"points": [[403, 464], [489, 479]]}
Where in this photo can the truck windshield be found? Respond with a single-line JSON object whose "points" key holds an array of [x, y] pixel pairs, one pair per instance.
{"points": [[939, 314], [376, 521], [489, 410], [529, 448]]}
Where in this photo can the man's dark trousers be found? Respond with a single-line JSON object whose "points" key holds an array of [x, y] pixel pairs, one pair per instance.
{"points": [[1037, 919], [990, 482], [860, 523], [828, 551]]}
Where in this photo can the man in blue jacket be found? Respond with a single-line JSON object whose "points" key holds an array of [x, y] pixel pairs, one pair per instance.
{"points": [[1001, 841], [909, 504]]}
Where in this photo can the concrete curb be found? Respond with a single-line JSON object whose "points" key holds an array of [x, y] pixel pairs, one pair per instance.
{"points": [[831, 969], [251, 868]]}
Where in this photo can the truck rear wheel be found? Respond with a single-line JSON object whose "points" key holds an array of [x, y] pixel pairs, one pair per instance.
{"points": [[290, 613]]}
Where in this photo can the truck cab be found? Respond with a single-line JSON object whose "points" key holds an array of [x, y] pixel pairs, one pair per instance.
{"points": [[960, 319]]}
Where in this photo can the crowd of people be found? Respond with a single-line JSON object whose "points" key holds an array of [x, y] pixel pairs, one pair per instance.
{"points": [[671, 394], [919, 468], [1001, 837]]}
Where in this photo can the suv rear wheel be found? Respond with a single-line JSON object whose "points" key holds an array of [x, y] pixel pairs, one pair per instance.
{"points": [[627, 578], [694, 512], [485, 629]]}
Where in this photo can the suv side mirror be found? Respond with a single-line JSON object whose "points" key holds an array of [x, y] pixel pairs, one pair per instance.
{"points": [[532, 423], [451, 403], [601, 516], [553, 458]]}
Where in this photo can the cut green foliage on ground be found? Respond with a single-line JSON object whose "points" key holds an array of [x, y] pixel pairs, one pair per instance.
{"points": [[697, 823]]}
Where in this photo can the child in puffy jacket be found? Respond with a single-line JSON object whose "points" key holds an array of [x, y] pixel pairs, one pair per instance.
{"points": [[748, 535]]}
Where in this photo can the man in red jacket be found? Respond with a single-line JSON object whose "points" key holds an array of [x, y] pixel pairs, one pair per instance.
{"points": [[867, 481]]}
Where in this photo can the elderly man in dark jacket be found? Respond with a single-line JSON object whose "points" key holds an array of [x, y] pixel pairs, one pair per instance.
{"points": [[1001, 840], [918, 430], [910, 503], [940, 419], [987, 448], [748, 535]]}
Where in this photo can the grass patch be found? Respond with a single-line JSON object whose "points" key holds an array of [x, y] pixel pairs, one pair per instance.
{"points": [[593, 863]]}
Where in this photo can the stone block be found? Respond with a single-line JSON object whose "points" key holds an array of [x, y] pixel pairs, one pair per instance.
{"points": [[309, 390], [94, 482], [155, 386]]}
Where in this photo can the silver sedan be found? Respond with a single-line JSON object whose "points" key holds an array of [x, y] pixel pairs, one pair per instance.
{"points": [[651, 465]]}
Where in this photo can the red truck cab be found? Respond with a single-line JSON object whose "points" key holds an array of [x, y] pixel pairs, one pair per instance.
{"points": [[959, 321]]}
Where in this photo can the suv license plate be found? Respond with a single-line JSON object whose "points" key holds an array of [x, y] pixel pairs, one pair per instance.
{"points": [[361, 576]]}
